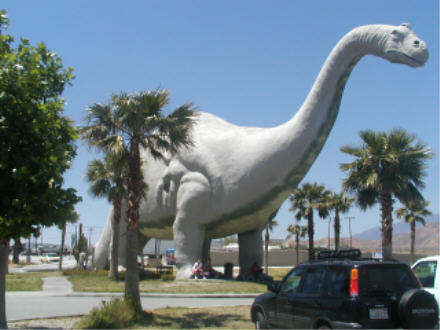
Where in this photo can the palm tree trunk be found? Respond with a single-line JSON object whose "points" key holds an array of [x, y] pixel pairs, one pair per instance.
{"points": [[413, 241], [132, 273], [63, 238], [386, 203], [3, 271], [266, 250], [134, 196], [114, 253], [297, 248], [311, 233], [337, 228]]}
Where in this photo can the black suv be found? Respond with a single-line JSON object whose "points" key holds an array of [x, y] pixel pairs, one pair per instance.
{"points": [[343, 290]]}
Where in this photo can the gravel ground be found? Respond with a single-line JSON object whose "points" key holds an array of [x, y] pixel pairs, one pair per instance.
{"points": [[50, 323]]}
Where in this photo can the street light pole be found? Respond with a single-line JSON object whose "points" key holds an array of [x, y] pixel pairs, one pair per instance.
{"points": [[349, 228]]}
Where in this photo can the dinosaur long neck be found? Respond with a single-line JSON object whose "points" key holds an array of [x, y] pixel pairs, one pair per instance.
{"points": [[305, 134]]}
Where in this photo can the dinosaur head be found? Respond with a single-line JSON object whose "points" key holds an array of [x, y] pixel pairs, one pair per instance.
{"points": [[403, 46]]}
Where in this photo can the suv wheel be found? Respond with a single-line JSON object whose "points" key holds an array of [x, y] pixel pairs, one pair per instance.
{"points": [[418, 309], [261, 322]]}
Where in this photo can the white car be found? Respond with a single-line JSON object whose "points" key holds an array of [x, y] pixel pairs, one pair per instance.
{"points": [[50, 257], [427, 270]]}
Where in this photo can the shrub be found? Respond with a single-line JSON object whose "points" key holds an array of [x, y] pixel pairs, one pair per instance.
{"points": [[167, 277], [115, 314]]}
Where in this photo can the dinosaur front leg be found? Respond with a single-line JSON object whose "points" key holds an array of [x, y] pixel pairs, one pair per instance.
{"points": [[250, 250], [206, 251], [188, 230], [188, 244]]}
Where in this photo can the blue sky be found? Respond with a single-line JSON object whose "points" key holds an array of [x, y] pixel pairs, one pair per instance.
{"points": [[249, 62]]}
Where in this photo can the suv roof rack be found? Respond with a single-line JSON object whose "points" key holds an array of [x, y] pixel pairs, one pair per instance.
{"points": [[340, 254]]}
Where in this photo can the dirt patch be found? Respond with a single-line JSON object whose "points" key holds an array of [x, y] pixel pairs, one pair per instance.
{"points": [[49, 323]]}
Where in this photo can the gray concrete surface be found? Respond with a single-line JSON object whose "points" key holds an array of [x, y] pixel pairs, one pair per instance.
{"points": [[32, 305], [57, 284]]}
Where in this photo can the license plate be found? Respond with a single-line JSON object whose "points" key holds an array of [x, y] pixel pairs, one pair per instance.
{"points": [[378, 313]]}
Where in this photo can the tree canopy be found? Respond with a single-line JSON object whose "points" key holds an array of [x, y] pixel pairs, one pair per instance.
{"points": [[306, 199], [386, 165], [36, 139]]}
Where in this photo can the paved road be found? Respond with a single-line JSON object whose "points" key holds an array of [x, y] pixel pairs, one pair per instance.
{"points": [[36, 305], [58, 299]]}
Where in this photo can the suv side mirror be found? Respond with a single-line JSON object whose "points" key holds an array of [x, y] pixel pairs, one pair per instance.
{"points": [[274, 286]]}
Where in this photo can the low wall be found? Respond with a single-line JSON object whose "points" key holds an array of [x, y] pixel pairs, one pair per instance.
{"points": [[288, 257], [276, 258]]}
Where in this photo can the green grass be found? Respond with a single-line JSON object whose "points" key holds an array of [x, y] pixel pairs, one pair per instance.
{"points": [[118, 314], [27, 281], [279, 273], [98, 281]]}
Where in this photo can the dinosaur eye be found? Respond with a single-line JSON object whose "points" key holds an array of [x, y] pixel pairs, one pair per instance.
{"points": [[416, 43]]}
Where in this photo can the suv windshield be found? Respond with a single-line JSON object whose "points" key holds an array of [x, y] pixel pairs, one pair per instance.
{"points": [[378, 280]]}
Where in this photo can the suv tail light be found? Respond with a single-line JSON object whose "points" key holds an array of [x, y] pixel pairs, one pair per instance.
{"points": [[354, 282]]}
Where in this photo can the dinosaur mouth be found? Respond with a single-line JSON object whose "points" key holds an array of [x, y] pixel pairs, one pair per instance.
{"points": [[413, 61]]}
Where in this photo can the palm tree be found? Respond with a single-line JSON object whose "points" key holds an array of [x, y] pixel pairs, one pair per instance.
{"points": [[305, 200], [299, 232], [413, 212], [131, 122], [269, 227], [107, 179], [386, 166], [340, 204]]}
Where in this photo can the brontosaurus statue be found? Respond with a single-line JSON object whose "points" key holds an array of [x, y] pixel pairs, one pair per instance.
{"points": [[235, 178]]}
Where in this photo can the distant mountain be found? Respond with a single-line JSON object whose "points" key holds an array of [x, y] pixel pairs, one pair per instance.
{"points": [[399, 227], [427, 241]]}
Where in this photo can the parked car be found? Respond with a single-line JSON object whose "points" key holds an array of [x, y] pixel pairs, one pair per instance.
{"points": [[342, 290], [50, 257], [427, 271]]}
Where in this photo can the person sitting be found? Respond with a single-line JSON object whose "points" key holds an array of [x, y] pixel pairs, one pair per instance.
{"points": [[258, 275], [208, 271], [197, 269]]}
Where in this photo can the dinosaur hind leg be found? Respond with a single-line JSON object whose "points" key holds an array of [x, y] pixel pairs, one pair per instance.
{"points": [[142, 241], [250, 250]]}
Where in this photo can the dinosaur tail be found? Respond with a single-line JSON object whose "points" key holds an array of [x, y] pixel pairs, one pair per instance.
{"points": [[102, 247]]}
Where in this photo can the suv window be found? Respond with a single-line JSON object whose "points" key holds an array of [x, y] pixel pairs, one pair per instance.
{"points": [[338, 282], [381, 280], [292, 281], [313, 281], [425, 271]]}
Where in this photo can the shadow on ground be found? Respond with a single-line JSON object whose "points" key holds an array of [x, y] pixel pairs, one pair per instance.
{"points": [[201, 320]]}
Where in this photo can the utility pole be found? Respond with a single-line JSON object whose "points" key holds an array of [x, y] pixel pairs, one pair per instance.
{"points": [[90, 240], [349, 228]]}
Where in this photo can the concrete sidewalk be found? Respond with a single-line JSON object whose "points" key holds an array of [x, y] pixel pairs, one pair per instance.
{"points": [[58, 284]]}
